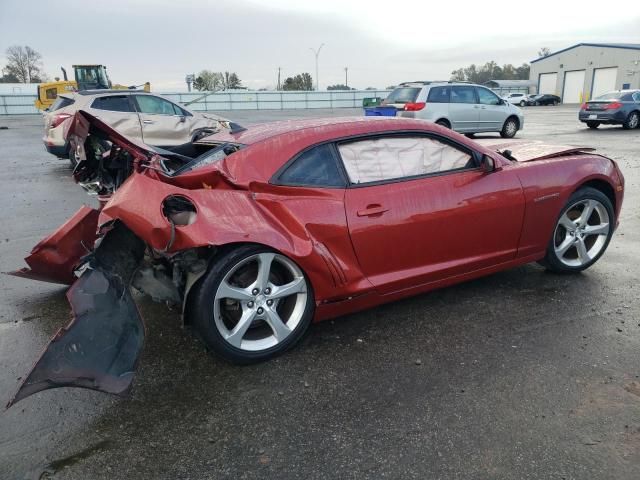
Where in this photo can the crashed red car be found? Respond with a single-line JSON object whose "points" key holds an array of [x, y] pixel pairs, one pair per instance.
{"points": [[261, 231]]}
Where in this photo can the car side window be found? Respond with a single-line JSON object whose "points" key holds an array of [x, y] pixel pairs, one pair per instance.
{"points": [[463, 94], [487, 97], [317, 167], [155, 105], [392, 158], [112, 103], [438, 95]]}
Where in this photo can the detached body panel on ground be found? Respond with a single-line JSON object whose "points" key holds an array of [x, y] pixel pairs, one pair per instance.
{"points": [[275, 226]]}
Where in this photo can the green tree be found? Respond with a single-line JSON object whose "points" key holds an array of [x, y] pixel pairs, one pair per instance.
{"points": [[544, 52], [231, 80], [339, 86], [302, 81], [208, 81], [490, 71], [25, 64], [8, 78]]}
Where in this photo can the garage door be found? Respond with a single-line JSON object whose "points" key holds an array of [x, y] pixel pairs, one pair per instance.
{"points": [[604, 80], [573, 87], [547, 83]]}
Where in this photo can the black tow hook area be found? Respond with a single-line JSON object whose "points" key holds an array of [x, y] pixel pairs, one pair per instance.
{"points": [[100, 348]]}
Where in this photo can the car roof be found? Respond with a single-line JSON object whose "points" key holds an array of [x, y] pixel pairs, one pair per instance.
{"points": [[333, 126], [111, 92], [422, 83]]}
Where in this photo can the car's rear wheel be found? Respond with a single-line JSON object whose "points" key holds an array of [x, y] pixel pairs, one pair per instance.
{"points": [[443, 123], [582, 233], [510, 128], [593, 124], [522, 103], [252, 305], [632, 121], [555, 102]]}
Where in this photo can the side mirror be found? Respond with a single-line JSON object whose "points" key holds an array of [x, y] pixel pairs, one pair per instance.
{"points": [[183, 119], [488, 164]]}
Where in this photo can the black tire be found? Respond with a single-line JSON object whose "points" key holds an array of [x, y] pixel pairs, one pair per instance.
{"points": [[522, 103], [593, 125], [551, 260], [632, 121], [469, 135], [555, 103], [202, 310], [510, 128], [443, 123]]}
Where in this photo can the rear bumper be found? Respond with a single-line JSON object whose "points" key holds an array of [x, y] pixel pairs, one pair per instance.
{"points": [[612, 117]]}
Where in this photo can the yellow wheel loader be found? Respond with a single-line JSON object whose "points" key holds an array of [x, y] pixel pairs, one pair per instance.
{"points": [[87, 77]]}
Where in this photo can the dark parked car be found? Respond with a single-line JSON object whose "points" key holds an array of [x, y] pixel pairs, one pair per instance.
{"points": [[545, 99], [621, 107]]}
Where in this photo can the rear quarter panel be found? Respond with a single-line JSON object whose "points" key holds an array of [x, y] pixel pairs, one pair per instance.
{"points": [[547, 186]]}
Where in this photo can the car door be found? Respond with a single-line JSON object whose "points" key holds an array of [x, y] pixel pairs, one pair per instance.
{"points": [[163, 123], [493, 111], [463, 109], [118, 112], [419, 209]]}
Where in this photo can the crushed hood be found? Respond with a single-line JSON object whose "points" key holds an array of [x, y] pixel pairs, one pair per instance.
{"points": [[527, 151]]}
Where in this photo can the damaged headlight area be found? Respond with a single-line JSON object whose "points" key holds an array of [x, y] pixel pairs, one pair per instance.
{"points": [[102, 166]]}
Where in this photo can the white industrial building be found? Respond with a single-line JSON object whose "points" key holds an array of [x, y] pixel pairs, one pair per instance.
{"points": [[587, 70]]}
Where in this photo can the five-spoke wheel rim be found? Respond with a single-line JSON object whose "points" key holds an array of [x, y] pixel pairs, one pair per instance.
{"points": [[581, 233], [260, 302]]}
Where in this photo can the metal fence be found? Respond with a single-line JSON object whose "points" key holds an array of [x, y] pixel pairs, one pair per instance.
{"points": [[244, 100]]}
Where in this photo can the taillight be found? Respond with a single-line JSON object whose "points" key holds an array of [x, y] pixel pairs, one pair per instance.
{"points": [[58, 119], [584, 106], [612, 106], [414, 107]]}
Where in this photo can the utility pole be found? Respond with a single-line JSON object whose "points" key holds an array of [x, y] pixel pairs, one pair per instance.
{"points": [[279, 86], [317, 53], [346, 76]]}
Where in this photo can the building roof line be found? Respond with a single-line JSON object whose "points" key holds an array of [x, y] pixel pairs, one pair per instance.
{"points": [[628, 46]]}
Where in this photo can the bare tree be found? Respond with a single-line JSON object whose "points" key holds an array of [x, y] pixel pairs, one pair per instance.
{"points": [[24, 63], [209, 81]]}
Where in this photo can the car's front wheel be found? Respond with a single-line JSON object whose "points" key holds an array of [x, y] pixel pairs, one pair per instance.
{"points": [[632, 121], [252, 305], [582, 233], [593, 124], [523, 103], [510, 128]]}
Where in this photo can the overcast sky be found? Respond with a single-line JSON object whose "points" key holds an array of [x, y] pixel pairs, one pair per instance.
{"points": [[381, 43]]}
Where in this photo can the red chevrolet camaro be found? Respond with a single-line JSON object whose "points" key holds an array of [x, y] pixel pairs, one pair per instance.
{"points": [[257, 232]]}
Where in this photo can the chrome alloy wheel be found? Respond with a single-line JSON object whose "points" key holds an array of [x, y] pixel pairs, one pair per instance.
{"points": [[260, 302], [511, 128], [581, 233]]}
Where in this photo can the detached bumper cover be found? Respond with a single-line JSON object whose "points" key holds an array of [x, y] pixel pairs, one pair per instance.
{"points": [[99, 349], [55, 258]]}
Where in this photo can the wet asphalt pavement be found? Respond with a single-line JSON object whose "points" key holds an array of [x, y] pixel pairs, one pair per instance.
{"points": [[519, 375]]}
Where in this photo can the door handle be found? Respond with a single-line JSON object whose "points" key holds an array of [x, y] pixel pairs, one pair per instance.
{"points": [[147, 121], [476, 106], [371, 210]]}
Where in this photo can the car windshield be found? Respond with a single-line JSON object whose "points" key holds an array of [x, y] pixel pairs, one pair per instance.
{"points": [[403, 95], [609, 96]]}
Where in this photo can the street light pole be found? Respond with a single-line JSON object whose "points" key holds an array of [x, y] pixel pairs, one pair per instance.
{"points": [[317, 53]]}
